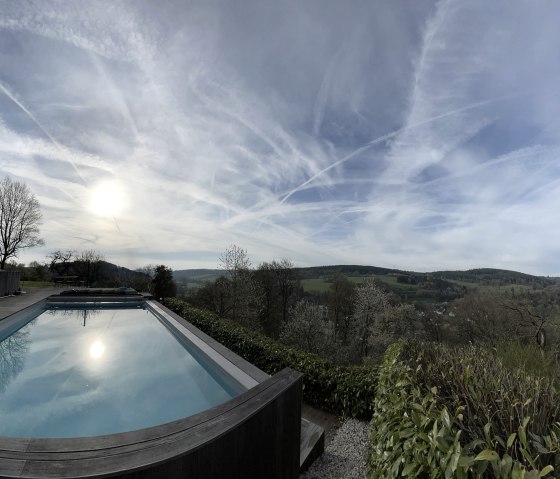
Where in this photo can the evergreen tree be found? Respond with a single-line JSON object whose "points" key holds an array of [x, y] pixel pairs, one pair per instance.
{"points": [[163, 282]]}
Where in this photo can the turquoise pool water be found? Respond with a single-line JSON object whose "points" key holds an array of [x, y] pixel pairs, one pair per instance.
{"points": [[82, 372]]}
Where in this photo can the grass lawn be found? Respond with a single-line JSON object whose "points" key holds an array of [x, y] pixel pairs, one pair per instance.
{"points": [[35, 284], [320, 285], [315, 285]]}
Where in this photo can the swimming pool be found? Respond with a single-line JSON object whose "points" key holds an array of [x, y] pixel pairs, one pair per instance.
{"points": [[253, 429], [74, 371]]}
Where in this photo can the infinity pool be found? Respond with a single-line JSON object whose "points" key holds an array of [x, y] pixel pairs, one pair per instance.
{"points": [[76, 372]]}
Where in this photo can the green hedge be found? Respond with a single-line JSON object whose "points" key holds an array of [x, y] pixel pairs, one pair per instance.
{"points": [[430, 418], [344, 390]]}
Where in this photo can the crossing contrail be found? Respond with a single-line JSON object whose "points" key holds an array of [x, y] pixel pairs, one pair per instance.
{"points": [[392, 134], [13, 97]]}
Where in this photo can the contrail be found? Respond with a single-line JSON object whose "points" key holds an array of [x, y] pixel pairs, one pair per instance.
{"points": [[392, 135], [12, 97]]}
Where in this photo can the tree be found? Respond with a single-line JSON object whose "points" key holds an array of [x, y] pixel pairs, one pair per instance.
{"points": [[288, 284], [491, 318], [143, 280], [307, 329], [37, 271], [13, 350], [20, 216], [279, 286], [244, 292], [88, 265], [371, 302], [213, 295], [61, 262], [270, 315], [341, 304], [163, 282]]}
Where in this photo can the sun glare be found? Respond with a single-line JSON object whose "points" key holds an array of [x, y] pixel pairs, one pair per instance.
{"points": [[97, 349], [107, 199]]}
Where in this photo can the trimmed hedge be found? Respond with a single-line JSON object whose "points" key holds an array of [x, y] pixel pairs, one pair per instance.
{"points": [[344, 390], [422, 428]]}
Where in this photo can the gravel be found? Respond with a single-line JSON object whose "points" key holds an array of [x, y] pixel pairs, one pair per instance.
{"points": [[345, 456]]}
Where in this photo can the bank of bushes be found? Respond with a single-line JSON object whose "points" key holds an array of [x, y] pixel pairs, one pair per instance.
{"points": [[344, 390], [444, 412]]}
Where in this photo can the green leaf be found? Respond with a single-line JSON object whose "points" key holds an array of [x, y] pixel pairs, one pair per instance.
{"points": [[408, 469], [465, 462], [487, 455], [510, 440], [528, 457], [546, 470], [505, 465], [522, 436], [445, 418], [486, 430]]}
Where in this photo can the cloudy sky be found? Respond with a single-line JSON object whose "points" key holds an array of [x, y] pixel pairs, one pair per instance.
{"points": [[413, 134]]}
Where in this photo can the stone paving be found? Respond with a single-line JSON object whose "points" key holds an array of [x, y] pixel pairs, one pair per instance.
{"points": [[13, 304]]}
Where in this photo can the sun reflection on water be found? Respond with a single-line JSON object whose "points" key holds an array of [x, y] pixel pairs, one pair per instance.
{"points": [[97, 349]]}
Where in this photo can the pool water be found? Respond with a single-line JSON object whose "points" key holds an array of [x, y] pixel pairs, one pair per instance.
{"points": [[81, 372]]}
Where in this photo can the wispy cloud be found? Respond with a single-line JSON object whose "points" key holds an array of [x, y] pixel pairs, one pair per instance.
{"points": [[420, 136]]}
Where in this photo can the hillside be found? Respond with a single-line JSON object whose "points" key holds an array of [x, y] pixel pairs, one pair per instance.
{"points": [[408, 285], [195, 278]]}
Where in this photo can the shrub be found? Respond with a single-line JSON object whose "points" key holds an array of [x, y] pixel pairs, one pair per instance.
{"points": [[491, 393], [344, 390], [458, 412], [528, 357]]}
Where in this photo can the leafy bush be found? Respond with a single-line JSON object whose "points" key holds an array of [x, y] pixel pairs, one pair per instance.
{"points": [[344, 390], [476, 379], [451, 412], [528, 357]]}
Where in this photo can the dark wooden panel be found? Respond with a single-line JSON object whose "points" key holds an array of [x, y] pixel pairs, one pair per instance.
{"points": [[9, 282]]}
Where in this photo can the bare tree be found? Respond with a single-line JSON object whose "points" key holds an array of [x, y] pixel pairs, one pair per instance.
{"points": [[341, 304], [20, 217], [279, 285], [61, 261], [288, 284], [88, 265], [491, 318], [13, 350], [143, 281], [244, 292]]}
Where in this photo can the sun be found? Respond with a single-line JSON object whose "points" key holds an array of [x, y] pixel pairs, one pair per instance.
{"points": [[107, 199]]}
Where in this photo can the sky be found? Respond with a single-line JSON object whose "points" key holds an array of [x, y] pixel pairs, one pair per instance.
{"points": [[419, 135]]}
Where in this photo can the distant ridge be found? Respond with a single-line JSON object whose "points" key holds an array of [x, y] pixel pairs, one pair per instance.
{"points": [[475, 276], [196, 275]]}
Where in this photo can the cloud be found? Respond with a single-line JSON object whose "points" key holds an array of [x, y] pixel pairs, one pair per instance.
{"points": [[402, 136]]}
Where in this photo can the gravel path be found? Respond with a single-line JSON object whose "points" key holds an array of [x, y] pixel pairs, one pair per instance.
{"points": [[345, 456]]}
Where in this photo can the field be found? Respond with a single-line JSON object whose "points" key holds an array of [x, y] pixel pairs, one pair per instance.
{"points": [[322, 285], [422, 292], [35, 284]]}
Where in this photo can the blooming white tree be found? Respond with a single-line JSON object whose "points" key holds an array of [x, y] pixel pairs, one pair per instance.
{"points": [[307, 329], [371, 303]]}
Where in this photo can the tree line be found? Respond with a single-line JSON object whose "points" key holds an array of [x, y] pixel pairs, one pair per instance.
{"points": [[354, 322]]}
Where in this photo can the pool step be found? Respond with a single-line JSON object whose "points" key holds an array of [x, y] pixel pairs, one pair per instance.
{"points": [[312, 444]]}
